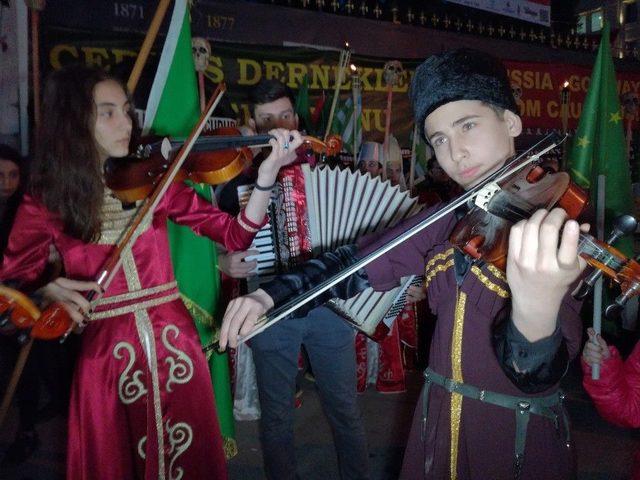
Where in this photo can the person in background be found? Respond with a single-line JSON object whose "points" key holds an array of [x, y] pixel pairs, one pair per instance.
{"points": [[616, 394]]}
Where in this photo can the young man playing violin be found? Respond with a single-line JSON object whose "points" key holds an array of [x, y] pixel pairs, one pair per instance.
{"points": [[328, 339], [497, 335]]}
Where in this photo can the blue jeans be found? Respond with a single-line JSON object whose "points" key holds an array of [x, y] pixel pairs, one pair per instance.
{"points": [[329, 341]]}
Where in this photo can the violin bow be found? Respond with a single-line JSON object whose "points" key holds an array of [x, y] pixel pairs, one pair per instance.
{"points": [[532, 155], [392, 71]]}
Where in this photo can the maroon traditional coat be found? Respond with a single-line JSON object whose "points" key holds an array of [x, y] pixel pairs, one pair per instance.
{"points": [[466, 438]]}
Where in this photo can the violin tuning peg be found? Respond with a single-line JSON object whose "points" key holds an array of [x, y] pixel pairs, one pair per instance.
{"points": [[622, 225], [613, 311], [582, 291], [626, 224]]}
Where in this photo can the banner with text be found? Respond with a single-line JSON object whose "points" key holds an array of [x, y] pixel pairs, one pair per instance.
{"points": [[537, 86]]}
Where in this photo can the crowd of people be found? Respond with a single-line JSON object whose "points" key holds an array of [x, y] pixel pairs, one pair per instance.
{"points": [[141, 399]]}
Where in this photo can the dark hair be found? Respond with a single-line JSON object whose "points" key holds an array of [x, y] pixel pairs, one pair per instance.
{"points": [[9, 213], [11, 154], [267, 91], [66, 172]]}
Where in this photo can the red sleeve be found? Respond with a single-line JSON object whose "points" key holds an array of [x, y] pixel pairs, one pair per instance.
{"points": [[27, 252], [616, 394], [186, 207]]}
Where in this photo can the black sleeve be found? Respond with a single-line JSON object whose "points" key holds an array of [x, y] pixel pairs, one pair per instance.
{"points": [[309, 274], [532, 366]]}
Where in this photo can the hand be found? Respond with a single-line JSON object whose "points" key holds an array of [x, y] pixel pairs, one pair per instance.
{"points": [[283, 152], [595, 349], [235, 266], [416, 293], [66, 292], [539, 272], [241, 316]]}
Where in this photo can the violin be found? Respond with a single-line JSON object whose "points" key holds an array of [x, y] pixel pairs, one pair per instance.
{"points": [[55, 322], [213, 159], [508, 195], [483, 233], [18, 309]]}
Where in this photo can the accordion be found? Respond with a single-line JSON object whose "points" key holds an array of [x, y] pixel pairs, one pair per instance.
{"points": [[317, 209]]}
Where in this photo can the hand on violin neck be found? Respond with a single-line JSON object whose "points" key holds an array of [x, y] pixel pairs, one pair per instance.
{"points": [[540, 271], [283, 152], [67, 292]]}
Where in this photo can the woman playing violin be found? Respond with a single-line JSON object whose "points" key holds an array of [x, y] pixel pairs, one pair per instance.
{"points": [[490, 407], [142, 402]]}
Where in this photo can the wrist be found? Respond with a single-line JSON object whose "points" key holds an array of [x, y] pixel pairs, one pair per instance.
{"points": [[264, 298], [533, 324]]}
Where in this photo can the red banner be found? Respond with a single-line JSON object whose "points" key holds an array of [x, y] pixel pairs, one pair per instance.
{"points": [[539, 88]]}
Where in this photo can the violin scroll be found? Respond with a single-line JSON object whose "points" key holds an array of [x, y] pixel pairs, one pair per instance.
{"points": [[330, 147]]}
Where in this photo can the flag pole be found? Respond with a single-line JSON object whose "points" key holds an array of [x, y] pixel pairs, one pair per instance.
{"points": [[412, 167], [149, 38], [564, 115], [355, 89], [597, 293], [345, 56]]}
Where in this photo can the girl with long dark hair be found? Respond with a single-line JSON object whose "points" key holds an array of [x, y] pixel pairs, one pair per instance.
{"points": [[141, 403]]}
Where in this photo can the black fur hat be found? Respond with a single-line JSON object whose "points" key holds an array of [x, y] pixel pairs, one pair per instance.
{"points": [[462, 74]]}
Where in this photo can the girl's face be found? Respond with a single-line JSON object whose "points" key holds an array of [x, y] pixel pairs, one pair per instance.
{"points": [[112, 130], [9, 178]]}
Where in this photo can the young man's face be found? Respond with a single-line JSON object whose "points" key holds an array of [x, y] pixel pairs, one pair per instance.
{"points": [[276, 114], [470, 140]]}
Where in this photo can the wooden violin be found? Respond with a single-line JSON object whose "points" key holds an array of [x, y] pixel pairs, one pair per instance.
{"points": [[213, 159], [483, 233]]}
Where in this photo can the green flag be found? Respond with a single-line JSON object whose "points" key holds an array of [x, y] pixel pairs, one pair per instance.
{"points": [[599, 147], [302, 104], [343, 123], [173, 109]]}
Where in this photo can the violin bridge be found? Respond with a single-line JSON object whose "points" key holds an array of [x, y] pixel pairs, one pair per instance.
{"points": [[486, 194]]}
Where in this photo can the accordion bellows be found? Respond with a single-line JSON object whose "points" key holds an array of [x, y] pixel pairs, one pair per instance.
{"points": [[317, 209]]}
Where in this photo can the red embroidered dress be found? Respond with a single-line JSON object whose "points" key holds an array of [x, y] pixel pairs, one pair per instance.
{"points": [[142, 403]]}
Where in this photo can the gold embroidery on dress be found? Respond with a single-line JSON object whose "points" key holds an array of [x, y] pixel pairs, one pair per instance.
{"points": [[145, 332], [115, 312], [180, 439], [180, 367], [130, 387], [142, 448], [115, 220], [443, 267], [456, 374], [147, 340], [488, 283], [133, 295]]}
